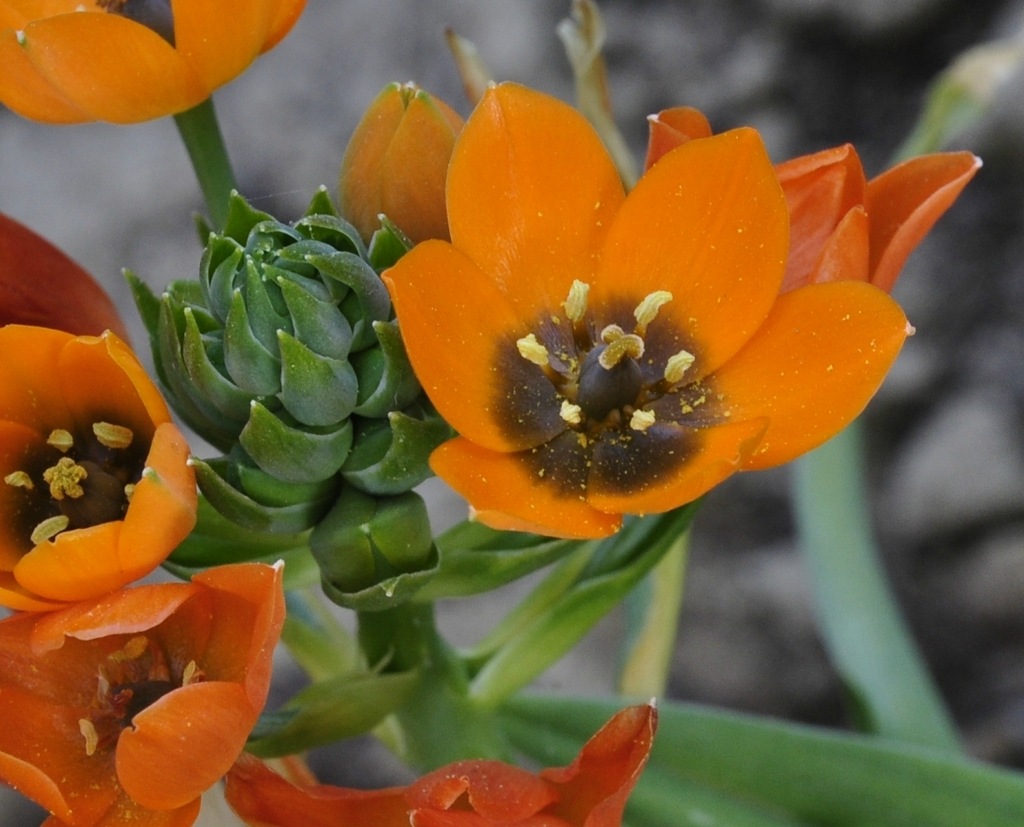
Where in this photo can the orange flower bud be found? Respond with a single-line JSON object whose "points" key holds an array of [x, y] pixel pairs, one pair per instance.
{"points": [[39, 285], [396, 163]]}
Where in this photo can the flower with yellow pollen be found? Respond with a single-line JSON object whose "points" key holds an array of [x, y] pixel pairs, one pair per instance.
{"points": [[603, 354], [96, 489], [125, 61]]}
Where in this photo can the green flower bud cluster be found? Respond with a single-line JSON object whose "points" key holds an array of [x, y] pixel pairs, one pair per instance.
{"points": [[284, 356]]}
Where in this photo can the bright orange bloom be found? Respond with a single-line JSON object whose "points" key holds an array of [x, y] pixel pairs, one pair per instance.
{"points": [[396, 163], [124, 710], [126, 61], [590, 792], [96, 488], [603, 354], [39, 285], [843, 226]]}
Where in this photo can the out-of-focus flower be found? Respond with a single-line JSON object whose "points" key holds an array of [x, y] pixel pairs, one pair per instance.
{"points": [[396, 162], [39, 285], [137, 702], [843, 226], [96, 488], [126, 61], [590, 792], [602, 354]]}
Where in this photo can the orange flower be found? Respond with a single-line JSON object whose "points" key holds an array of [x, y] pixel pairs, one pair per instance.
{"points": [[590, 792], [602, 354], [139, 701], [40, 285], [126, 61], [842, 225], [96, 488], [396, 163]]}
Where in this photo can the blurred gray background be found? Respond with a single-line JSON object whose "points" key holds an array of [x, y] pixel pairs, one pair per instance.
{"points": [[946, 438]]}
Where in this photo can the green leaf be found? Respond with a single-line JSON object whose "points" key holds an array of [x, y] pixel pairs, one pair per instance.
{"points": [[791, 773], [291, 453], [337, 708], [315, 389]]}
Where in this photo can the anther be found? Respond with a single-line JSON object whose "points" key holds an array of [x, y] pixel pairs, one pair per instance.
{"points": [[61, 440], [677, 365], [576, 303], [92, 738], [49, 528], [571, 413], [19, 479], [112, 436], [648, 309], [532, 350], [641, 420]]}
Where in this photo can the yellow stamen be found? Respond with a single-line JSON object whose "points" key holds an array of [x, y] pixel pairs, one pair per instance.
{"points": [[641, 420], [92, 738], [64, 479], [677, 366], [576, 303], [647, 309], [19, 479], [60, 439], [619, 346], [129, 490], [573, 414], [532, 350], [49, 528], [112, 436], [190, 674], [132, 650]]}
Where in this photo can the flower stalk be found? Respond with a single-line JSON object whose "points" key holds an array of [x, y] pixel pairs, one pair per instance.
{"points": [[200, 132]]}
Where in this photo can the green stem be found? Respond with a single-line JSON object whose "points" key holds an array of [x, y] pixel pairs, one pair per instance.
{"points": [[439, 724], [865, 634], [201, 135]]}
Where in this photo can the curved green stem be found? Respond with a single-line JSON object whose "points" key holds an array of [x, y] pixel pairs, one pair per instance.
{"points": [[865, 634], [201, 135]]}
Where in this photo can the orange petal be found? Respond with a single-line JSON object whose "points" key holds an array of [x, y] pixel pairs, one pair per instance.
{"points": [[260, 796], [671, 128], [507, 483], [499, 793], [709, 224], [820, 189], [218, 41], [18, 444], [594, 788], [39, 285], [112, 68], [460, 331], [123, 612], [667, 465], [813, 366], [183, 743], [531, 195], [30, 391], [905, 202], [25, 91], [103, 381], [14, 596], [163, 507], [845, 255], [285, 16], [244, 640]]}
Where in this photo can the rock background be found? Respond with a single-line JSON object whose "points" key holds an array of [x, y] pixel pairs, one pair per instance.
{"points": [[946, 436]]}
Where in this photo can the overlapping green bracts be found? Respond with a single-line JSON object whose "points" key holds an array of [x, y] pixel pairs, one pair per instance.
{"points": [[284, 355]]}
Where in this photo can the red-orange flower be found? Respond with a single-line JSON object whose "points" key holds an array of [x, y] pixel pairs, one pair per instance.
{"points": [[843, 226], [396, 162], [96, 490], [603, 354], [39, 285], [126, 61], [124, 710], [590, 792]]}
